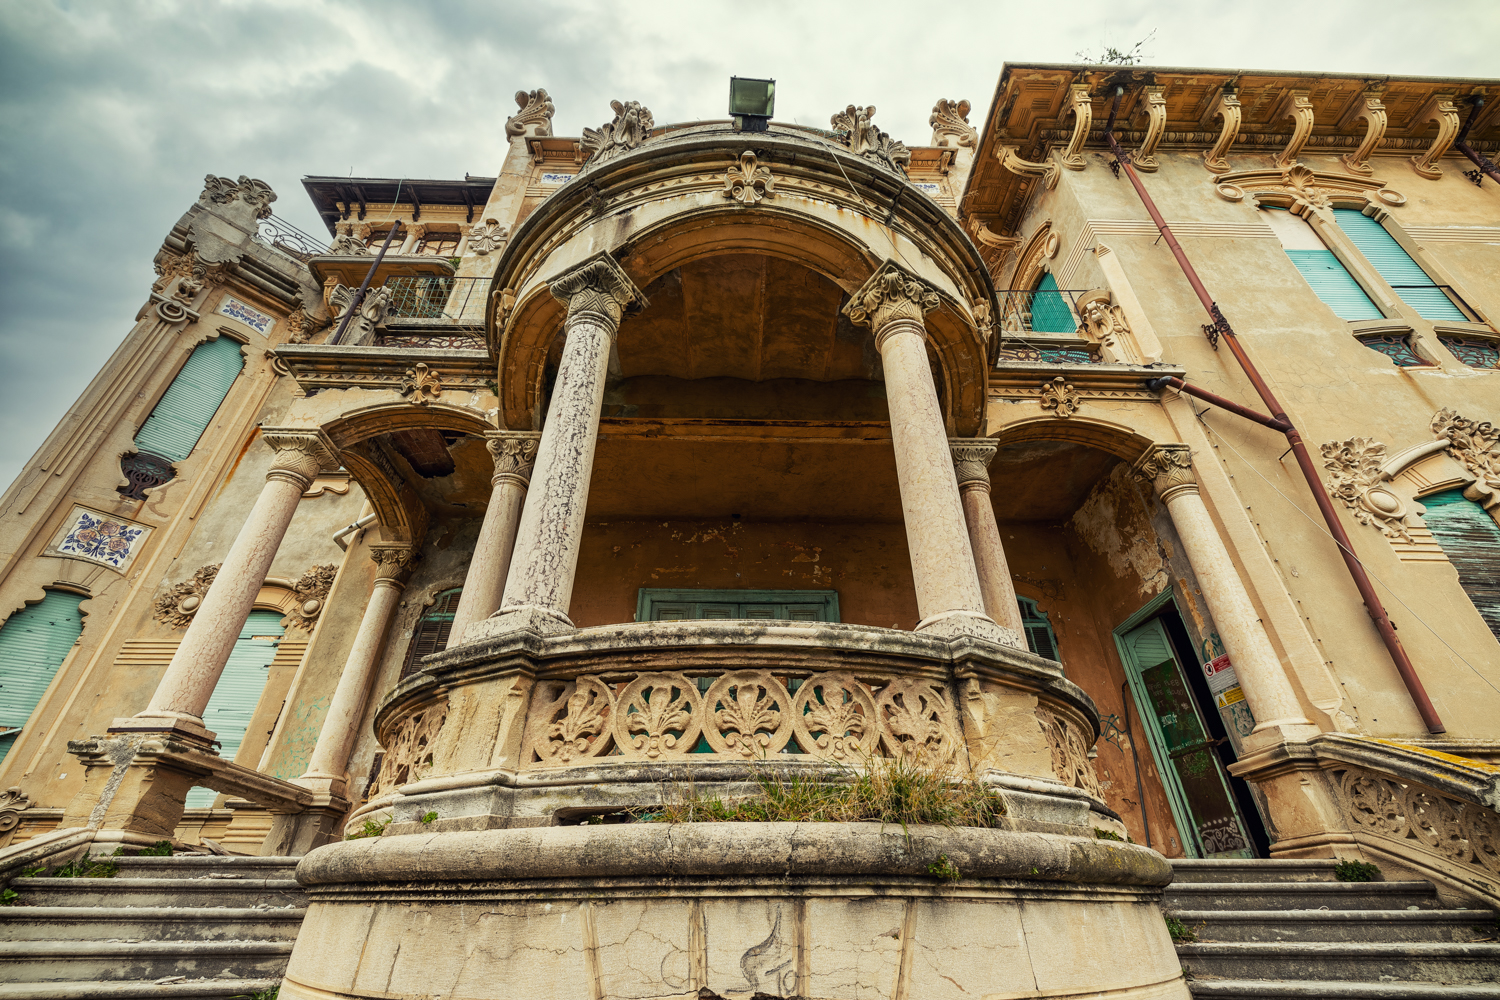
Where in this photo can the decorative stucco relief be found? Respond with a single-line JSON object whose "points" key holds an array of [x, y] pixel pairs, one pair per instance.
{"points": [[487, 236], [1060, 397], [859, 133], [311, 594], [221, 191], [370, 316], [1227, 108], [1358, 482], [535, 116], [630, 127], [175, 608], [1103, 320], [1463, 834], [1306, 188], [748, 181], [12, 803], [1473, 444], [950, 124], [347, 243], [408, 757], [421, 385], [1070, 753]]}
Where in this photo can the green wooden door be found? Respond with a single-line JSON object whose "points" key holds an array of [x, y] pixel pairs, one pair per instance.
{"points": [[1202, 805], [239, 690], [1049, 310]]}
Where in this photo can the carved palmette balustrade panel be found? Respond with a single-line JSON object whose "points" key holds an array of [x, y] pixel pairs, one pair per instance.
{"points": [[741, 714], [1070, 752], [408, 750], [1462, 833]]}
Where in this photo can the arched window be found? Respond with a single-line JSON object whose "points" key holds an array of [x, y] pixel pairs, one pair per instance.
{"points": [[33, 644], [172, 430], [432, 630], [1039, 636], [1471, 541], [239, 689]]}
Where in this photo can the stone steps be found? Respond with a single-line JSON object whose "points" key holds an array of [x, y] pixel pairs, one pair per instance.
{"points": [[220, 926], [1287, 929]]}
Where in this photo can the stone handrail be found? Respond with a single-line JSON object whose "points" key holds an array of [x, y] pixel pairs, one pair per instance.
{"points": [[1434, 814]]}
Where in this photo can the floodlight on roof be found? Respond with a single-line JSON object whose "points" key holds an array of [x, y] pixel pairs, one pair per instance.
{"points": [[751, 102]]}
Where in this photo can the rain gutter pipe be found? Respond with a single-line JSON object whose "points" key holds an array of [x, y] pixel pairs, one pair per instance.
{"points": [[359, 296], [1220, 328], [1482, 162]]}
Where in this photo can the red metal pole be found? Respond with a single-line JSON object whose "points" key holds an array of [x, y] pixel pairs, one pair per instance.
{"points": [[1482, 162], [1157, 384], [1361, 579]]}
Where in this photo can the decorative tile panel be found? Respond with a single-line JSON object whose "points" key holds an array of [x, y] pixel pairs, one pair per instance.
{"points": [[99, 538], [248, 315]]}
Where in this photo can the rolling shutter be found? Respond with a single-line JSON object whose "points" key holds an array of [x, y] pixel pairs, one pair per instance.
{"points": [[191, 401], [1049, 310], [1471, 541], [238, 691], [1039, 637], [1395, 265], [1334, 285], [33, 644]]}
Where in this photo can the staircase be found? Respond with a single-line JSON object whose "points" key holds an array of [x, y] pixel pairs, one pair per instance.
{"points": [[1288, 929], [199, 926]]}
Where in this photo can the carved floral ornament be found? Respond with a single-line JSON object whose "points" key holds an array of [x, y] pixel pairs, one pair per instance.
{"points": [[748, 181], [890, 295], [1461, 833], [748, 714], [1304, 187], [408, 755], [1070, 752], [1060, 397], [950, 124], [514, 453], [1358, 482], [535, 116], [630, 127], [13, 802], [176, 607], [222, 191], [487, 236], [309, 594], [599, 287], [971, 461], [422, 385], [346, 243], [1167, 469], [859, 133], [1473, 444]]}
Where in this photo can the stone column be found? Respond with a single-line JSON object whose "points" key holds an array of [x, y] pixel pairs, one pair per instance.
{"points": [[189, 681], [414, 232], [340, 726], [540, 582], [1273, 702], [514, 453], [949, 600], [971, 461]]}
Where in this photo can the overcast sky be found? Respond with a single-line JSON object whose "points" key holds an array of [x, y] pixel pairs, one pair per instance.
{"points": [[112, 112]]}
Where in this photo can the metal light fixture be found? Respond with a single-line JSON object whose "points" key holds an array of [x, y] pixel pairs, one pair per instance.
{"points": [[751, 103]]}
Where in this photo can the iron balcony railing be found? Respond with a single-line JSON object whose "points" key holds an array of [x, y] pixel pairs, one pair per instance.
{"points": [[437, 297], [1043, 325], [282, 235]]}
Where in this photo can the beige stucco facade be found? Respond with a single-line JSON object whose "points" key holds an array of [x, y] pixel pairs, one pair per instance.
{"points": [[660, 362]]}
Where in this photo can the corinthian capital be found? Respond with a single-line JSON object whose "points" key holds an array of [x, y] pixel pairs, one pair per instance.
{"points": [[971, 461], [598, 286], [1168, 468], [393, 562], [514, 453], [301, 453], [890, 295]]}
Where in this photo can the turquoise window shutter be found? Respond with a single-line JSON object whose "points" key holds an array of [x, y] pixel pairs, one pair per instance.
{"points": [[1471, 541], [1329, 281], [239, 690], [1049, 310], [190, 402], [33, 644], [1039, 636], [1414, 285], [662, 605]]}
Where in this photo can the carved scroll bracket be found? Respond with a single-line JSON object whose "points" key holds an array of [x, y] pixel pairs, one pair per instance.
{"points": [[1370, 108], [1297, 107], [1083, 117], [1048, 171], [1228, 108], [1155, 103], [1441, 110]]}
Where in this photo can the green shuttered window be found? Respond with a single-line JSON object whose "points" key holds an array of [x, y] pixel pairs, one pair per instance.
{"points": [[1039, 635], [33, 644], [1049, 310], [191, 401], [432, 630], [238, 691], [1334, 285], [1395, 265], [1471, 541], [658, 605]]}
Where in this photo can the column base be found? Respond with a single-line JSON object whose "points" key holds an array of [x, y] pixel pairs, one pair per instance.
{"points": [[952, 624], [525, 618], [183, 728]]}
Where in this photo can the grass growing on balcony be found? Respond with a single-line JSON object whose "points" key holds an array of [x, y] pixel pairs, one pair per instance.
{"points": [[887, 790]]}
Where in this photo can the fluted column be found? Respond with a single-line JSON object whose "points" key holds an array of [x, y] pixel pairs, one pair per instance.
{"points": [[514, 453], [189, 681], [330, 757], [949, 600], [540, 581], [971, 464], [1168, 468]]}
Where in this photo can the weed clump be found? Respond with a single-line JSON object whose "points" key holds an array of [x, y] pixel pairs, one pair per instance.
{"points": [[1180, 932], [1356, 871], [1102, 834], [97, 866], [370, 829], [944, 869], [887, 790]]}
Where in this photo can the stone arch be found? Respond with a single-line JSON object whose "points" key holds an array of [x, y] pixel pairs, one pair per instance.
{"points": [[1113, 438]]}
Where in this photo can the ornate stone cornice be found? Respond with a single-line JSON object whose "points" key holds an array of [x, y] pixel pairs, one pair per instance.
{"points": [[1168, 469], [950, 124], [535, 116], [301, 453], [599, 287], [971, 461], [630, 127], [891, 295], [514, 454]]}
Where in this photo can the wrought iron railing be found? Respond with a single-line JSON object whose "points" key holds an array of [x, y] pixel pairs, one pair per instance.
{"points": [[282, 235], [433, 296], [1050, 311]]}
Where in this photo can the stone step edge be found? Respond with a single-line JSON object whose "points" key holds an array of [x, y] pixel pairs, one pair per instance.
{"points": [[1340, 916], [1415, 886], [74, 948], [1288, 949], [97, 989], [202, 914], [1307, 989], [181, 884]]}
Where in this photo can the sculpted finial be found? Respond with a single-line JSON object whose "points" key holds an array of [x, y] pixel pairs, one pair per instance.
{"points": [[950, 124], [864, 139], [535, 116], [630, 127]]}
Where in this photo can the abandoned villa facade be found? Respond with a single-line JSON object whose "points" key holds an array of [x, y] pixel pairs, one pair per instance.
{"points": [[689, 449]]}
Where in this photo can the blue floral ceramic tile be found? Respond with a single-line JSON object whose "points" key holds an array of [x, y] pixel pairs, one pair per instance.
{"points": [[100, 538]]}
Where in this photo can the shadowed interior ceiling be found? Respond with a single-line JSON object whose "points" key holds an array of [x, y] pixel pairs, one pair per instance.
{"points": [[1045, 480]]}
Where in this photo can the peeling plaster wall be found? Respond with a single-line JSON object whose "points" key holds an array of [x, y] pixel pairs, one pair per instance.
{"points": [[868, 564]]}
